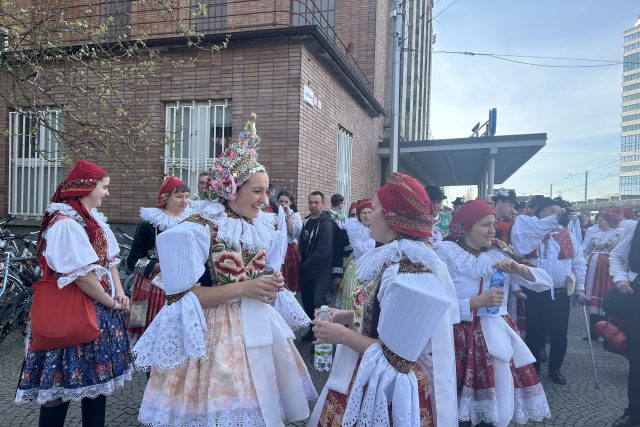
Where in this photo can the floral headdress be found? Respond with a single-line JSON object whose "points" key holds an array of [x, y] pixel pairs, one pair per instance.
{"points": [[236, 164]]}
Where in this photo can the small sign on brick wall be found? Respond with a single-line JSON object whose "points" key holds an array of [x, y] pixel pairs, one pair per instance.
{"points": [[308, 95]]}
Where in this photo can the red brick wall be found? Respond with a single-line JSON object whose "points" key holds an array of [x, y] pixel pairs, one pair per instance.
{"points": [[298, 141], [318, 136]]}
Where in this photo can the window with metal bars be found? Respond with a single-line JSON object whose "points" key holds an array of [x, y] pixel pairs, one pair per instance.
{"points": [[315, 12], [35, 160], [343, 165], [115, 15], [209, 16], [197, 132]]}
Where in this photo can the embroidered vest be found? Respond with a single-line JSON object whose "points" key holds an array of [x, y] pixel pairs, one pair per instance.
{"points": [[563, 238]]}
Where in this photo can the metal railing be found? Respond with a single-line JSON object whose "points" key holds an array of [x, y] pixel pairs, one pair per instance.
{"points": [[129, 20]]}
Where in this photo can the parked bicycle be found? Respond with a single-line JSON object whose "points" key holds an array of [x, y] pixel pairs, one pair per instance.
{"points": [[18, 274]]}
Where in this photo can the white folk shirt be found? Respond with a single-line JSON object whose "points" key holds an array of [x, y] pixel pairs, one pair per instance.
{"points": [[619, 256], [527, 235]]}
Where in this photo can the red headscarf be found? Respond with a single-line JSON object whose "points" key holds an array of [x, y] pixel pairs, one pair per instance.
{"points": [[467, 215], [362, 205], [613, 216], [81, 181], [354, 205], [628, 213], [170, 183], [406, 206]]}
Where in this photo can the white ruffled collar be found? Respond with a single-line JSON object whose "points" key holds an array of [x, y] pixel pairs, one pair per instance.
{"points": [[67, 210], [161, 220], [237, 233], [371, 264]]}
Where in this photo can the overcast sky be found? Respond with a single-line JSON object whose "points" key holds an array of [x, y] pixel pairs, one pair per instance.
{"points": [[579, 108]]}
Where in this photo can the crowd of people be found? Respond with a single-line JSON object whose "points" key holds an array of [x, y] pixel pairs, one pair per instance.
{"points": [[438, 318]]}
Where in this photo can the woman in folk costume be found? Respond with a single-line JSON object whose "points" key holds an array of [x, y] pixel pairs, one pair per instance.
{"points": [[395, 365], [496, 381], [222, 355], [77, 246], [596, 247], [172, 204], [361, 243], [290, 269]]}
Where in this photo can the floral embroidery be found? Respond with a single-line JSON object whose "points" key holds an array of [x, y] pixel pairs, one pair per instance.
{"points": [[229, 264]]}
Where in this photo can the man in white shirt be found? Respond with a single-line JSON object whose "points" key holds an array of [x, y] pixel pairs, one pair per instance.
{"points": [[544, 241], [624, 263]]}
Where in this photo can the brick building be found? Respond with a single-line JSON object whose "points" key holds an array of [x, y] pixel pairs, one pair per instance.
{"points": [[313, 70]]}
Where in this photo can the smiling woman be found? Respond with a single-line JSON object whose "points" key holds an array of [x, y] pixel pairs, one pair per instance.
{"points": [[207, 335], [77, 251]]}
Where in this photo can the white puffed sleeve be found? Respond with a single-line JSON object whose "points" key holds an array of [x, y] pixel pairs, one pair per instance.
{"points": [[69, 252], [412, 307], [541, 280], [178, 332], [359, 237], [528, 231]]}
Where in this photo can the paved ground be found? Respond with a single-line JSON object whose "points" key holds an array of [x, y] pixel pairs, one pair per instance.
{"points": [[576, 404]]}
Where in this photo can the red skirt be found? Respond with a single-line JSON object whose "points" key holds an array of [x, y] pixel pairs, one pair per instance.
{"points": [[336, 403], [599, 283], [290, 268], [144, 290], [476, 382]]}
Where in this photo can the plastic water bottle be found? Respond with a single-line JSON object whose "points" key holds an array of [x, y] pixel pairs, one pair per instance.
{"points": [[497, 282], [323, 353]]}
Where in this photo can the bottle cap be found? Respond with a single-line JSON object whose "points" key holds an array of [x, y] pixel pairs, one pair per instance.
{"points": [[324, 308]]}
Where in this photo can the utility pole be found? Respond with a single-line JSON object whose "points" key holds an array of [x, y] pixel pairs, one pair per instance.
{"points": [[586, 182], [551, 191], [396, 28]]}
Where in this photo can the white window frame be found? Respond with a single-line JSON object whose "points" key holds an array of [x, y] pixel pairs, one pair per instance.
{"points": [[35, 160], [343, 164], [190, 148]]}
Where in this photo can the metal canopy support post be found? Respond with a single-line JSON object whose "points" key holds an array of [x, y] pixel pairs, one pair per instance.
{"points": [[492, 169], [396, 28]]}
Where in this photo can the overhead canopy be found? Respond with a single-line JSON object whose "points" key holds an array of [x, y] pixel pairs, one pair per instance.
{"points": [[467, 161]]}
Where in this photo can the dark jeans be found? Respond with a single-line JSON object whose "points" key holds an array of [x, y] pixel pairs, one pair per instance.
{"points": [[545, 314], [314, 291]]}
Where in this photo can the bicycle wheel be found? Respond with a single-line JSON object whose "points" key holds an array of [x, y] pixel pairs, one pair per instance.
{"points": [[13, 292]]}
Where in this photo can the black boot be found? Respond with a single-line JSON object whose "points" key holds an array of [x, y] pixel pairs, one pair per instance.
{"points": [[626, 420], [53, 416], [93, 411]]}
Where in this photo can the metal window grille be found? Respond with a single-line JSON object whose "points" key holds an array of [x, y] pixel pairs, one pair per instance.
{"points": [[209, 16], [315, 12], [115, 15], [343, 165], [197, 133], [35, 160]]}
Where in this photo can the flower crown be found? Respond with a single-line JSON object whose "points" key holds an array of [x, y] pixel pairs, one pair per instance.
{"points": [[236, 164]]}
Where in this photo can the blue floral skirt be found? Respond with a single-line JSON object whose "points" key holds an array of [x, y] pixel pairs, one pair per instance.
{"points": [[86, 370]]}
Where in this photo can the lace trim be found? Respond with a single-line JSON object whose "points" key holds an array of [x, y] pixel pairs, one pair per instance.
{"points": [[530, 403], [141, 265], [159, 219], [157, 415], [478, 406], [114, 262], [69, 278], [463, 263], [44, 396], [376, 387], [392, 252], [237, 233], [176, 335], [289, 308]]}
